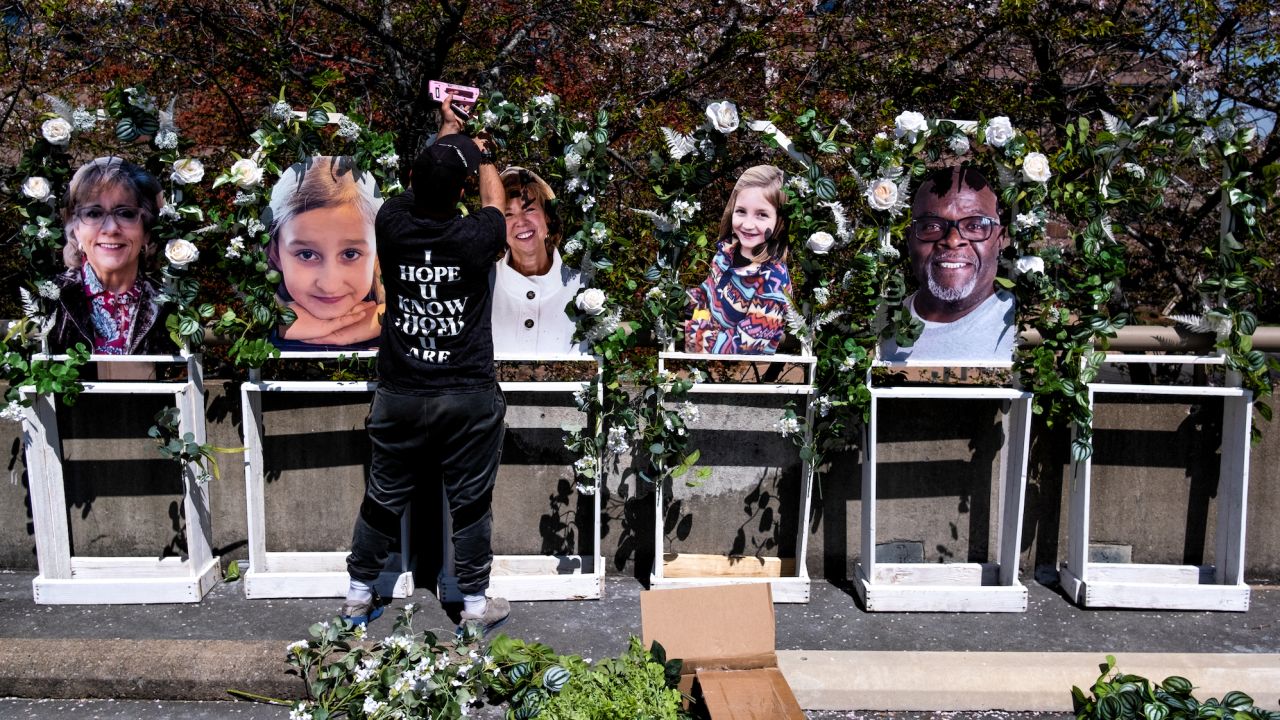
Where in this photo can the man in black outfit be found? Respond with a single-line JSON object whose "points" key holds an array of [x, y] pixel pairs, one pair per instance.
{"points": [[438, 413]]}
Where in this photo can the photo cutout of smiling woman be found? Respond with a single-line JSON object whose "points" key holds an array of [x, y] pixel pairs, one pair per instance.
{"points": [[741, 308], [322, 242]]}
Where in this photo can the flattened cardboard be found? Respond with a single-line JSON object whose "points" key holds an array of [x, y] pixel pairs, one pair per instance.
{"points": [[725, 636], [761, 694]]}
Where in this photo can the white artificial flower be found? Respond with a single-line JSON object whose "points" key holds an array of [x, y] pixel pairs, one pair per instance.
{"points": [[390, 160], [367, 669], [12, 412], [547, 100], [49, 289], [300, 712], [787, 426], [245, 173], [689, 413], [882, 135], [579, 136], [1026, 221], [572, 162], [848, 364], [1028, 264], [959, 144], [910, 124], [82, 119], [882, 194], [1035, 167], [489, 118], [654, 293], [281, 110], [253, 226], [572, 246], [591, 301], [999, 131], [169, 212], [56, 130], [586, 202], [372, 706], [180, 252], [348, 129], [235, 247], [617, 442], [1135, 170], [585, 465], [166, 140], [245, 199], [296, 647], [187, 171], [599, 233], [800, 185], [823, 405], [821, 295], [821, 242], [37, 188], [723, 116]]}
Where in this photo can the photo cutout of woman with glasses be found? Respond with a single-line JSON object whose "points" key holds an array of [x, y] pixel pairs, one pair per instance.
{"points": [[955, 239], [105, 298], [322, 242]]}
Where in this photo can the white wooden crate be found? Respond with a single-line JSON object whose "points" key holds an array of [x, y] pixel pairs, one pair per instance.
{"points": [[540, 577], [274, 574], [950, 587], [68, 580], [787, 589], [1167, 586]]}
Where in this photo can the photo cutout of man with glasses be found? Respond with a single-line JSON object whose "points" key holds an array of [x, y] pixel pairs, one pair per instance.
{"points": [[954, 240]]}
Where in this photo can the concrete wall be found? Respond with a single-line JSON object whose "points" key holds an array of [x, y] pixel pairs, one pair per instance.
{"points": [[1155, 485]]}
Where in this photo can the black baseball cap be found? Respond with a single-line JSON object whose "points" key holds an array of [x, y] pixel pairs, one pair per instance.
{"points": [[441, 171]]}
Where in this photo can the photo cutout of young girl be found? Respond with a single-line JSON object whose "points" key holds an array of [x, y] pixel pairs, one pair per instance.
{"points": [[322, 242], [741, 308]]}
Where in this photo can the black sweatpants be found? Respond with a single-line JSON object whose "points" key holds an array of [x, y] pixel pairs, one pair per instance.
{"points": [[454, 439]]}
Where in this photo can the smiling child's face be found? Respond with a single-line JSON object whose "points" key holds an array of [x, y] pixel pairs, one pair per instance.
{"points": [[327, 260]]}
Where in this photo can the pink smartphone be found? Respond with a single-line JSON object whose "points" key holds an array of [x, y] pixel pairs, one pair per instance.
{"points": [[461, 93]]}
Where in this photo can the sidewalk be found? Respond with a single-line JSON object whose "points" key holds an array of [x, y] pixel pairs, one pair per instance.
{"points": [[836, 656]]}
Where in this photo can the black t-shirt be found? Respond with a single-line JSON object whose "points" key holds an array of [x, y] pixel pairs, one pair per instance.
{"points": [[436, 335]]}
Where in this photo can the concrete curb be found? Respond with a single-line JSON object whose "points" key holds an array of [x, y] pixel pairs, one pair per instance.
{"points": [[144, 669], [1015, 681]]}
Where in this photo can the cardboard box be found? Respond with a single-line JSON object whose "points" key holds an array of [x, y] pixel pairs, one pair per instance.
{"points": [[725, 636]]}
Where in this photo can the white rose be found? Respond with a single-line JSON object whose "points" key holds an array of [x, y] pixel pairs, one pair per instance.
{"points": [[959, 144], [57, 131], [590, 301], [187, 171], [820, 243], [883, 194], [1035, 167], [909, 124], [999, 131], [246, 173], [37, 188], [1028, 264], [180, 252], [723, 116]]}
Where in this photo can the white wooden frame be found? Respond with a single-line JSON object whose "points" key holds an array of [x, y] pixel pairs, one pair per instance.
{"points": [[68, 580], [541, 577], [1167, 586], [950, 587], [302, 574], [787, 589]]}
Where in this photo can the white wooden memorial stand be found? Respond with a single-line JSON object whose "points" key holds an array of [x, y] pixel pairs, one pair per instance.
{"points": [[302, 574], [1170, 587], [950, 587], [541, 577], [68, 580], [788, 589]]}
